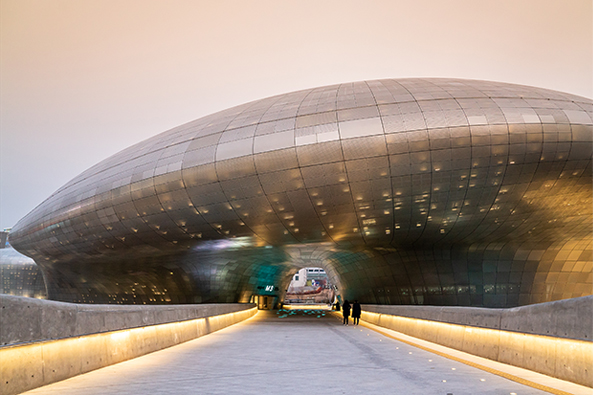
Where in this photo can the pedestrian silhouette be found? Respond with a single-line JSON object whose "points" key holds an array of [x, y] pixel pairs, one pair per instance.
{"points": [[356, 310], [337, 305], [346, 311]]}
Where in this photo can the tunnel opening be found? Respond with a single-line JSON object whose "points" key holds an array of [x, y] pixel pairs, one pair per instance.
{"points": [[304, 287], [310, 286], [265, 302]]}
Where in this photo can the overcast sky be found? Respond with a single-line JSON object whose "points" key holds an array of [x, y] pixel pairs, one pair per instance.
{"points": [[84, 79]]}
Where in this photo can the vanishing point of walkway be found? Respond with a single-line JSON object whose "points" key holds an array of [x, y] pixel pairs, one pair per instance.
{"points": [[299, 353]]}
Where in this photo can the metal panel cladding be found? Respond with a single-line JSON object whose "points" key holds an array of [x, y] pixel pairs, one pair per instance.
{"points": [[452, 190]]}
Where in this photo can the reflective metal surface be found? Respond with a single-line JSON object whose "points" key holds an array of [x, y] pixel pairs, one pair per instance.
{"points": [[20, 276], [435, 191]]}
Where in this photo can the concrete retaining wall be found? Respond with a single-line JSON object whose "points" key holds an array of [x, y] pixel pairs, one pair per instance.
{"points": [[45, 341], [550, 338]]}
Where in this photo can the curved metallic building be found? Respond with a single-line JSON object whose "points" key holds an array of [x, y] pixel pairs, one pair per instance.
{"points": [[413, 191], [20, 276]]}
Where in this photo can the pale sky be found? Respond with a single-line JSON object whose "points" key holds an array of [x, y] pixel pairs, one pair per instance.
{"points": [[83, 79]]}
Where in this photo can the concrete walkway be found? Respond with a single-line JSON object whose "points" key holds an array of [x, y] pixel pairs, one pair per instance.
{"points": [[296, 354]]}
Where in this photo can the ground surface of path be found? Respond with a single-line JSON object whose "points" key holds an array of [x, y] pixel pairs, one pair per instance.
{"points": [[299, 353]]}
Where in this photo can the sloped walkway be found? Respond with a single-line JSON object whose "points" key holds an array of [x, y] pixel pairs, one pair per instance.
{"points": [[300, 353]]}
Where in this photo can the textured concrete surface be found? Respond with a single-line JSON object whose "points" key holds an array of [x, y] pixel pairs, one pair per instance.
{"points": [[525, 376], [551, 338], [295, 354], [569, 318], [29, 365], [28, 320]]}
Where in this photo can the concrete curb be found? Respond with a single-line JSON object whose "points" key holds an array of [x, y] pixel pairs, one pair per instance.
{"points": [[562, 356], [33, 364]]}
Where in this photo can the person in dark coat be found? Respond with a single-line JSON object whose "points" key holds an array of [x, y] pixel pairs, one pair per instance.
{"points": [[337, 305], [356, 310], [346, 311]]}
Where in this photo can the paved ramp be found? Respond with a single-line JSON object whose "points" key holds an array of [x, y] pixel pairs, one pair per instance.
{"points": [[283, 353]]}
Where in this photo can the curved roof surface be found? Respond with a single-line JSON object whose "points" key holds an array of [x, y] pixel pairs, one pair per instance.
{"points": [[376, 163]]}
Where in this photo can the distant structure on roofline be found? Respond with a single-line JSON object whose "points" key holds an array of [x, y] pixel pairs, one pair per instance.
{"points": [[406, 191], [4, 238]]}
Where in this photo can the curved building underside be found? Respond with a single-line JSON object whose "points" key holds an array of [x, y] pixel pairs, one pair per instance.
{"points": [[407, 191]]}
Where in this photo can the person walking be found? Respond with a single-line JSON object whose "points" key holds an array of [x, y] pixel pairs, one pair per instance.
{"points": [[337, 305], [346, 312], [356, 311]]}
